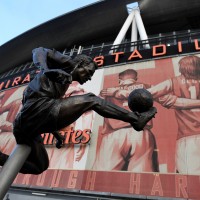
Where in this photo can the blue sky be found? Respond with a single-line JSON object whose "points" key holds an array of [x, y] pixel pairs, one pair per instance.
{"points": [[18, 16]]}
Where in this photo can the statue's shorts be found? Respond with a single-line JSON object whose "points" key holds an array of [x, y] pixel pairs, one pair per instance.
{"points": [[37, 116]]}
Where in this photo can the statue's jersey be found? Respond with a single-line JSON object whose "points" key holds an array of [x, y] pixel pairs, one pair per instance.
{"points": [[41, 105], [41, 86]]}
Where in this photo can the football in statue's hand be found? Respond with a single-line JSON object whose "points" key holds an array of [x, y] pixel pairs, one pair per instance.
{"points": [[140, 100]]}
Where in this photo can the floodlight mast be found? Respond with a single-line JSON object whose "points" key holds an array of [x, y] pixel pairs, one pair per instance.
{"points": [[135, 19]]}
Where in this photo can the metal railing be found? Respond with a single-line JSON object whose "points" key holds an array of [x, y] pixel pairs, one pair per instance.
{"points": [[169, 39], [127, 46]]}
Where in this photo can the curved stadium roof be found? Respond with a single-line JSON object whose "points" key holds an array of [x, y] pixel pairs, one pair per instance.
{"points": [[97, 23]]}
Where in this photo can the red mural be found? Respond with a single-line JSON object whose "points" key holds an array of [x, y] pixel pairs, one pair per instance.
{"points": [[162, 160]]}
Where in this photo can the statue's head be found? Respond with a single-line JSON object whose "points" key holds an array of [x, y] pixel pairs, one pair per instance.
{"points": [[84, 68]]}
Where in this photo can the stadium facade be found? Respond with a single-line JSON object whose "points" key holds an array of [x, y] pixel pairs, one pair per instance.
{"points": [[145, 44]]}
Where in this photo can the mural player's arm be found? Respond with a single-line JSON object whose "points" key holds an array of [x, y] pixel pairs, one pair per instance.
{"points": [[5, 108], [109, 92], [12, 109], [5, 125], [162, 94]]}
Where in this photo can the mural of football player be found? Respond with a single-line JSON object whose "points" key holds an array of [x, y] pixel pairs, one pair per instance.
{"points": [[182, 93], [121, 147]]}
